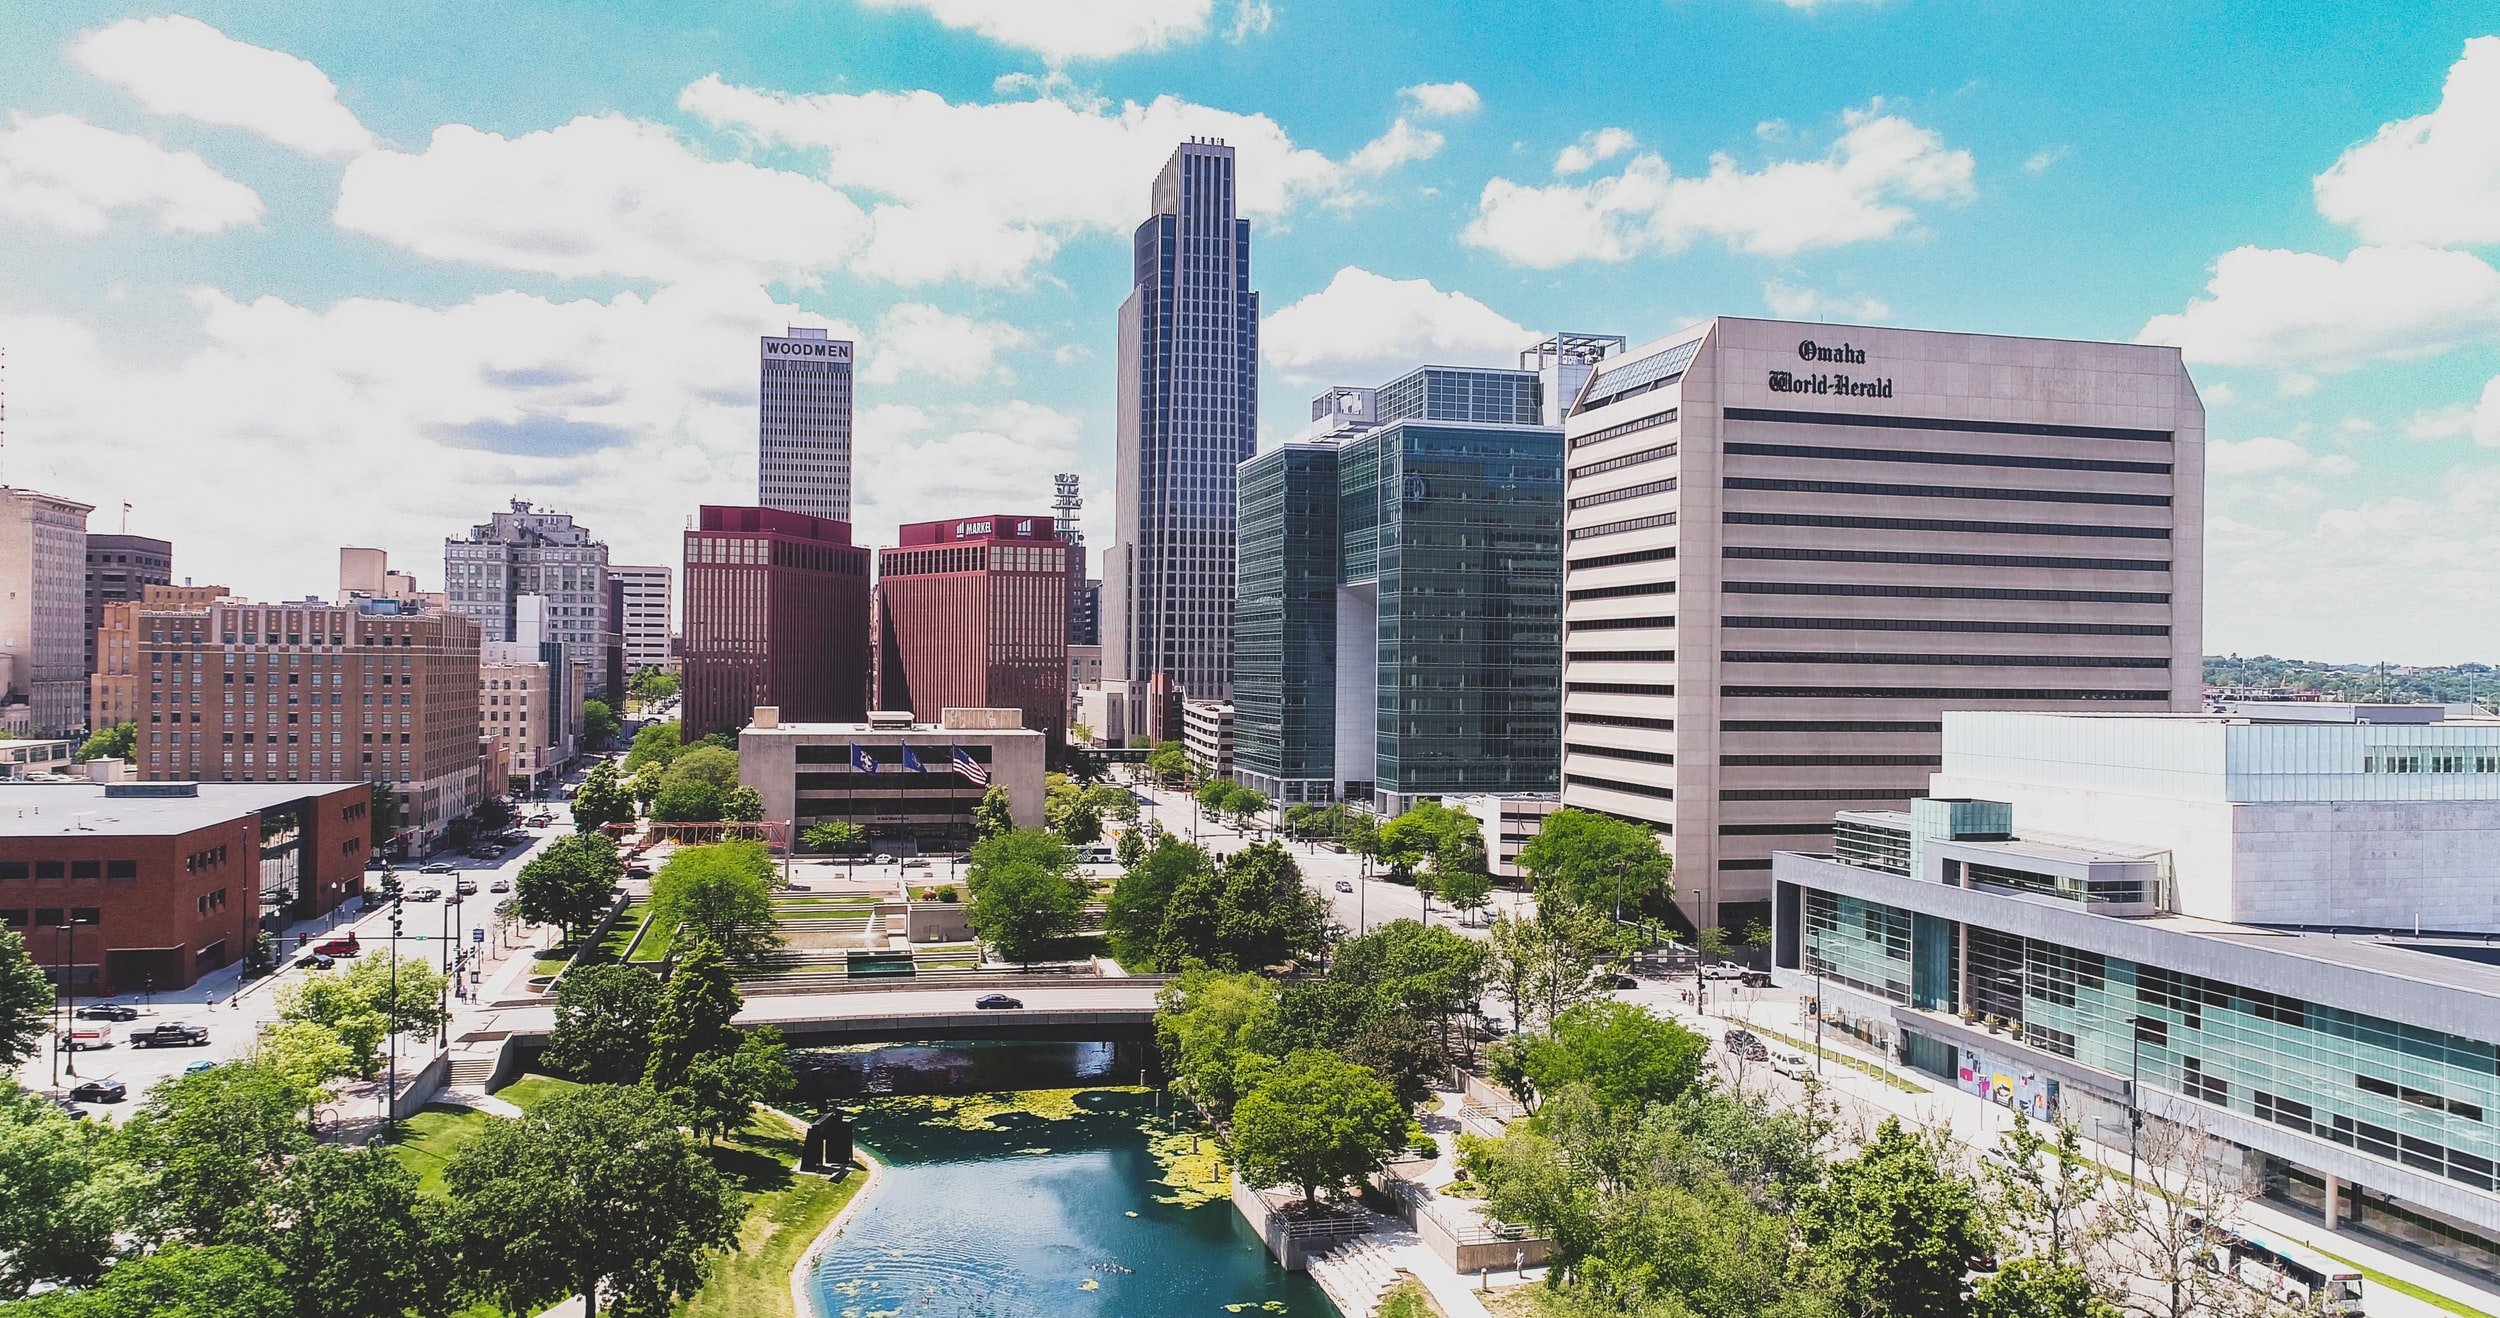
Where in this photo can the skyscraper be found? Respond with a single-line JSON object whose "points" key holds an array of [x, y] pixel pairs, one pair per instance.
{"points": [[1188, 411], [776, 614], [530, 551], [804, 425], [971, 613], [646, 617], [119, 567], [43, 610]]}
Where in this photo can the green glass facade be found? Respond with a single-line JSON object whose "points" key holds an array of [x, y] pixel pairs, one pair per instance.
{"points": [[1285, 620]]}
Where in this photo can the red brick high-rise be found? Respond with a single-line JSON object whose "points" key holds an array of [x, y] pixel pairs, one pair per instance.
{"points": [[974, 612], [776, 614]]}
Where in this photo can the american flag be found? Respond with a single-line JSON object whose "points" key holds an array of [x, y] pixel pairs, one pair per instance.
{"points": [[969, 767]]}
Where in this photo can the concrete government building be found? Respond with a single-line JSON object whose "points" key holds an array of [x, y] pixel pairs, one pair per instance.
{"points": [[1789, 547]]}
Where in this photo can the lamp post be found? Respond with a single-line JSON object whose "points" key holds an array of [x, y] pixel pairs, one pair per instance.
{"points": [[2135, 1081], [67, 1038], [390, 1096]]}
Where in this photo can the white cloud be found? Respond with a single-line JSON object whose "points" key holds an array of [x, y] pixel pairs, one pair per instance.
{"points": [[916, 339], [2381, 579], [2270, 455], [601, 195], [1790, 302], [63, 173], [986, 191], [1860, 190], [180, 66], [2479, 419], [1061, 30], [1442, 99], [1404, 143], [2219, 394], [2038, 162], [1581, 156], [1366, 329], [2298, 311], [2431, 179], [953, 461]]}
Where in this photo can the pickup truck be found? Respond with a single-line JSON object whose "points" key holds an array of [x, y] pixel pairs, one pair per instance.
{"points": [[171, 1034]]}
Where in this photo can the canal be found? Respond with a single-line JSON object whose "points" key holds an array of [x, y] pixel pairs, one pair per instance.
{"points": [[1034, 1179]]}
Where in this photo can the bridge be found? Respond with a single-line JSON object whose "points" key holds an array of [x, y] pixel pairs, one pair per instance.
{"points": [[897, 1011]]}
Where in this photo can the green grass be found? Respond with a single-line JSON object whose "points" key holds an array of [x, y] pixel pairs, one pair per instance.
{"points": [[533, 1089], [428, 1139], [2423, 1293], [1858, 1064], [1408, 1299], [784, 1216]]}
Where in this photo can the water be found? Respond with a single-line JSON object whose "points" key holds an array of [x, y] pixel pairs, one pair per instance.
{"points": [[1041, 1215], [844, 1075]]}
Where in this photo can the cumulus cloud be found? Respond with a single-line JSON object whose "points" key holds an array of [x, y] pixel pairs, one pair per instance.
{"points": [[916, 339], [1366, 329], [1061, 30], [1442, 99], [2301, 312], [180, 66], [1790, 302], [2270, 455], [1404, 143], [1862, 189], [2479, 419], [600, 196], [2039, 162], [2378, 579], [951, 461], [62, 173], [2432, 179], [1583, 155]]}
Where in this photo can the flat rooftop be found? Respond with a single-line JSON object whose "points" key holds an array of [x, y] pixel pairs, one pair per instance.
{"points": [[83, 810]]}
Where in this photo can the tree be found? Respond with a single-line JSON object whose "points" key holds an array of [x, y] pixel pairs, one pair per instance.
{"points": [[604, 1017], [835, 836], [1627, 1057], [1168, 763], [651, 685], [1218, 1032], [1585, 859], [2050, 1287], [1382, 988], [1215, 794], [720, 1090], [688, 801], [353, 1236], [1072, 812], [723, 894], [742, 805], [1360, 833], [317, 1013], [599, 723], [2047, 1189], [1131, 848], [109, 743], [657, 743], [710, 765], [1713, 941], [1026, 893], [593, 1192], [1466, 891], [208, 1141], [1430, 833], [62, 1192], [411, 1000], [386, 812], [1890, 1232], [1245, 802], [311, 1055], [693, 1021], [570, 882], [1133, 916], [1318, 1122], [1545, 963], [601, 800], [26, 998], [218, 1281], [1252, 912], [992, 816]]}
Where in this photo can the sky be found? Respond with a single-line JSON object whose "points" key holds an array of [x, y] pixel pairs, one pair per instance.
{"points": [[290, 276]]}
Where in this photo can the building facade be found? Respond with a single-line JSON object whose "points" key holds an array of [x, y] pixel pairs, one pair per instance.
{"points": [[124, 887], [2349, 1071], [815, 773], [803, 445], [43, 613], [1790, 547], [1187, 416], [1507, 823], [776, 614], [1401, 596], [24, 758], [531, 551], [1207, 737], [649, 595], [119, 568], [972, 613]]}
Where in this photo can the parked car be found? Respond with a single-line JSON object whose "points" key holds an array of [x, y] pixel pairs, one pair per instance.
{"points": [[79, 1040], [425, 894], [100, 1091], [344, 946], [438, 867], [998, 1002], [1744, 1043], [68, 1108], [170, 1034], [1723, 970], [196, 1067], [1791, 1063], [466, 887], [107, 1011], [885, 858], [1345, 885], [500, 885], [916, 863], [1614, 981], [638, 870], [318, 961]]}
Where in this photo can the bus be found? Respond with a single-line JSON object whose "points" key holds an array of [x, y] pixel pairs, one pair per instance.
{"points": [[2283, 1270]]}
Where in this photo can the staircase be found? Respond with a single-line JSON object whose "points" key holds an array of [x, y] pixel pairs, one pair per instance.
{"points": [[471, 1071], [1355, 1273]]}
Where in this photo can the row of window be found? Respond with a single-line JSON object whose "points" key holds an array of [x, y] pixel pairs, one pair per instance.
{"points": [[1619, 753], [2421, 763], [1970, 625], [1832, 761], [1618, 560], [1836, 727], [1618, 785], [1944, 660], [1946, 524], [1622, 656], [1666, 418], [73, 869], [1884, 490], [1616, 624], [1787, 554], [49, 917], [1863, 420], [1623, 721], [1881, 591], [1628, 524], [1627, 492], [1619, 688], [1657, 454], [1935, 693], [1945, 459], [1621, 592]]}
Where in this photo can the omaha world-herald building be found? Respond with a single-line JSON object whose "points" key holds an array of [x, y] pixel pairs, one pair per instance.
{"points": [[1788, 548]]}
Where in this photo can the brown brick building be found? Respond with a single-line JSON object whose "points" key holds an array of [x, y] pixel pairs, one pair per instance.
{"points": [[974, 613], [776, 614], [165, 881]]}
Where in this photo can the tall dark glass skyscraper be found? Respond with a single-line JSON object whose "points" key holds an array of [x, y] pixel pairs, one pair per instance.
{"points": [[1188, 415]]}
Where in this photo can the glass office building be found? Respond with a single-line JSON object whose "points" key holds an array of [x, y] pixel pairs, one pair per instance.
{"points": [[1400, 584]]}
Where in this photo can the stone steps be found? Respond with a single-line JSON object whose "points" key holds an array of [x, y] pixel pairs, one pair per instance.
{"points": [[1355, 1274], [471, 1071]]}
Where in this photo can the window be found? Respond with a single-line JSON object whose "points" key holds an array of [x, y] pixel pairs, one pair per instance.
{"points": [[1944, 459], [1944, 524]]}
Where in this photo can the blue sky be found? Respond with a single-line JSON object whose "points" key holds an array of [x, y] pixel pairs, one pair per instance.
{"points": [[288, 276]]}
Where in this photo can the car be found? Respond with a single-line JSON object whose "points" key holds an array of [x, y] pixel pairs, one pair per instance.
{"points": [[1345, 885], [916, 863], [1745, 1044], [80, 1040], [466, 887], [1791, 1063], [1614, 981], [438, 867], [377, 863], [196, 1067], [998, 1002], [170, 1034], [107, 1011], [500, 885], [1723, 970], [68, 1108], [1490, 1029], [425, 894], [346, 946], [100, 1091], [885, 858], [638, 870], [318, 961]]}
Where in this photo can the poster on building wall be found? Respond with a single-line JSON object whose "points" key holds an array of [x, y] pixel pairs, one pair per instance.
{"points": [[2004, 1083]]}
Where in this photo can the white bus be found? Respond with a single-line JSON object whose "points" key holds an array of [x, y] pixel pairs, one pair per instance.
{"points": [[2283, 1270]]}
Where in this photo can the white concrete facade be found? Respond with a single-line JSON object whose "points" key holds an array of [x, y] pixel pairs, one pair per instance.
{"points": [[647, 612], [43, 609]]}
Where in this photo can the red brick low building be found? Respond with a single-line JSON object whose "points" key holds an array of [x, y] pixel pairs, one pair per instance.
{"points": [[158, 883]]}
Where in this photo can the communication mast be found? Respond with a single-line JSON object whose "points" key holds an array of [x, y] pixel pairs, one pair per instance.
{"points": [[1063, 503]]}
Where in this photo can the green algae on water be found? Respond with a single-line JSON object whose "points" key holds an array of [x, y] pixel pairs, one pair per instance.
{"points": [[981, 1111]]}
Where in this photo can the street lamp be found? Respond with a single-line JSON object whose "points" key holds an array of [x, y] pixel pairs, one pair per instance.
{"points": [[68, 1035], [2135, 1081], [390, 1096]]}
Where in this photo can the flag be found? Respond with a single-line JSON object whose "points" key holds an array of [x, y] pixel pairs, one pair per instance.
{"points": [[911, 762], [969, 767], [861, 760]]}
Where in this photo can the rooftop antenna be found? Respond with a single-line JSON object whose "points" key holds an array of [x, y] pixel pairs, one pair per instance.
{"points": [[1064, 502], [125, 519]]}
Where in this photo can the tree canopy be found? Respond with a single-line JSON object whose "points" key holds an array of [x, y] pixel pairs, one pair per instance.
{"points": [[657, 743], [601, 799], [1026, 893], [1624, 1055], [1218, 1031], [721, 893], [1596, 862], [209, 1140], [26, 997], [1318, 1122], [112, 742], [61, 1195], [599, 722], [1177, 909], [570, 882], [604, 1018]]}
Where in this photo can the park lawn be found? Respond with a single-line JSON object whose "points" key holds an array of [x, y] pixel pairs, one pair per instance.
{"points": [[428, 1139], [533, 1089], [1408, 1299], [785, 1214], [621, 934]]}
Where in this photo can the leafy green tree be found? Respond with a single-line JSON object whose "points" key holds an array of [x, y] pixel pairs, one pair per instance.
{"points": [[742, 805], [709, 765], [601, 799], [26, 998], [1169, 763], [604, 1018], [835, 836], [311, 1055], [1244, 803], [1359, 833], [1215, 794], [693, 1021], [1072, 812], [111, 743], [593, 1192], [727, 741], [208, 1141], [1252, 912], [410, 1000], [216, 1281], [1465, 890], [1596, 862], [657, 743], [599, 723], [1433, 834], [650, 685], [1218, 1032], [319, 1012], [570, 882], [1713, 941], [1891, 1232], [1389, 999], [723, 894], [1133, 914], [353, 1236], [62, 1195], [2050, 1287], [1404, 1052], [1543, 964], [993, 816], [1318, 1122], [687, 801], [1026, 893], [720, 1090], [2048, 1189], [1131, 849], [1626, 1056]]}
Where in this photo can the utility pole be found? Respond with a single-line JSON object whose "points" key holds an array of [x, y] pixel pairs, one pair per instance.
{"points": [[390, 1097]]}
